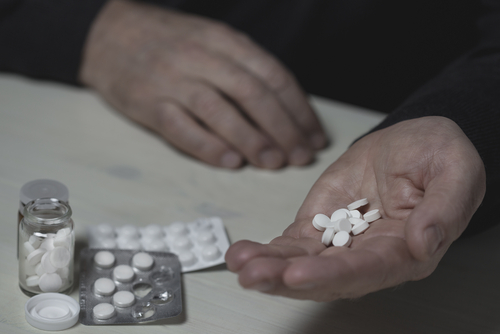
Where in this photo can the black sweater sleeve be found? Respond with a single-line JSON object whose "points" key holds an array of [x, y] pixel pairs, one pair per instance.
{"points": [[468, 92], [44, 38]]}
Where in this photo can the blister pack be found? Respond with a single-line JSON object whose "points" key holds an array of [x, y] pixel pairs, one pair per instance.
{"points": [[128, 286]]}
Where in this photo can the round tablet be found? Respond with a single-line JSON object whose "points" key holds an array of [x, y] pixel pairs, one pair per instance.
{"points": [[153, 231], [187, 258], [104, 259], [108, 243], [360, 227], [50, 282], [123, 273], [104, 286], [128, 231], [357, 204], [355, 214], [355, 221], [34, 257], [154, 245], [105, 230], [60, 257], [205, 238], [210, 253], [319, 221], [47, 265], [178, 229], [28, 248], [103, 311], [130, 244], [123, 299], [142, 261], [341, 239], [183, 243], [32, 280], [327, 236], [343, 225], [339, 214], [372, 215]]}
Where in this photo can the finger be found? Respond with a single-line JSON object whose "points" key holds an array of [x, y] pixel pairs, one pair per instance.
{"points": [[255, 99], [182, 131], [223, 119]]}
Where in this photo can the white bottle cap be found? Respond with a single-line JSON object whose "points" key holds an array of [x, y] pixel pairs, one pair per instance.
{"points": [[52, 311], [42, 188]]}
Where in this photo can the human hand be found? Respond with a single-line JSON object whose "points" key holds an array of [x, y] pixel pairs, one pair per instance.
{"points": [[427, 180], [207, 89]]}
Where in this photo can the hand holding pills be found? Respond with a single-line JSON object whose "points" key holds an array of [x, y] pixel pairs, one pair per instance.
{"points": [[425, 178]]}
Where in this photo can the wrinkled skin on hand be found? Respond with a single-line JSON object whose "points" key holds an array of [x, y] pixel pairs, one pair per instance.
{"points": [[426, 178], [204, 87]]}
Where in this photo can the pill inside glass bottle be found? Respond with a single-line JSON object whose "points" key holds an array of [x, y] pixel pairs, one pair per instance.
{"points": [[46, 247]]}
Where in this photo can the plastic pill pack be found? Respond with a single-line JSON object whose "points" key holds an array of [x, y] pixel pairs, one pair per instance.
{"points": [[200, 244], [128, 286]]}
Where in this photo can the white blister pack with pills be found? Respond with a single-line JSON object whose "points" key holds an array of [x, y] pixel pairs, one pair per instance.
{"points": [[200, 244], [127, 287]]}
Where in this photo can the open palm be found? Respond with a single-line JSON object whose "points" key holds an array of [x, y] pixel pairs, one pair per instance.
{"points": [[424, 176]]}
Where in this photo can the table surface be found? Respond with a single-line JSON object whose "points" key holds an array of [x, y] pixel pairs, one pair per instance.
{"points": [[120, 173]]}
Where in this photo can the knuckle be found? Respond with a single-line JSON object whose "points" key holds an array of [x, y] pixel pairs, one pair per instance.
{"points": [[169, 119], [248, 88], [219, 32], [275, 76], [206, 102]]}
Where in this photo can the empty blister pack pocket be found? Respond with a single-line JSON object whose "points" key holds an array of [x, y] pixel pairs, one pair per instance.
{"points": [[126, 287], [200, 244]]}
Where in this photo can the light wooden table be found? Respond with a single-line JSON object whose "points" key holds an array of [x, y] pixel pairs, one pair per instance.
{"points": [[119, 173]]}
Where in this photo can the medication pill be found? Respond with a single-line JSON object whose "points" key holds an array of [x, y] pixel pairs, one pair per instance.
{"points": [[205, 238], [183, 243], [341, 239], [357, 204], [210, 253], [187, 258], [106, 243], [178, 229], [50, 282], [343, 225], [62, 240], [48, 243], [104, 286], [47, 265], [29, 270], [123, 299], [32, 280], [372, 215], [104, 259], [103, 311], [60, 257], [35, 241], [63, 273], [355, 221], [105, 230], [319, 222], [152, 231], [129, 244], [355, 214], [327, 237], [39, 269], [28, 248], [154, 245], [360, 227], [340, 214], [123, 273], [142, 261], [128, 231], [34, 257]]}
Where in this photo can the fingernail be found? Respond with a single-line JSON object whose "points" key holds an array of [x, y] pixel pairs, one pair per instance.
{"points": [[230, 159], [318, 140], [433, 238], [263, 287], [300, 156], [271, 158]]}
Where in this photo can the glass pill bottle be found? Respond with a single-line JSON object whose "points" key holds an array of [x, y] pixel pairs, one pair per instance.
{"points": [[41, 188], [46, 247]]}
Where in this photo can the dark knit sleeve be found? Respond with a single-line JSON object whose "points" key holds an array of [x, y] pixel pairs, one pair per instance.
{"points": [[45, 38], [468, 92]]}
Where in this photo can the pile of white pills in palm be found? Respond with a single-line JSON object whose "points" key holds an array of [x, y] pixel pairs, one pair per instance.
{"points": [[47, 260], [337, 228]]}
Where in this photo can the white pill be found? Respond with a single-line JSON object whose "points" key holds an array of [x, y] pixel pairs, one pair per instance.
{"points": [[64, 232], [48, 243], [372, 215], [357, 204], [355, 221], [107, 243], [104, 286], [178, 229], [343, 225], [342, 239], [355, 214], [210, 253], [34, 257], [340, 214], [32, 281], [104, 259], [105, 230], [35, 241], [123, 273], [60, 257], [327, 237], [319, 221], [28, 248], [187, 258], [359, 228], [47, 265], [154, 245], [62, 240], [129, 244], [152, 231], [63, 272], [142, 261], [183, 243], [103, 311], [50, 282], [39, 270], [123, 299], [204, 225], [128, 231], [205, 238], [29, 270]]}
